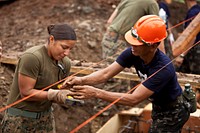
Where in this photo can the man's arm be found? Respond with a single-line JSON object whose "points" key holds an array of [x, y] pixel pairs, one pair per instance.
{"points": [[103, 75], [113, 15], [85, 92], [94, 78]]}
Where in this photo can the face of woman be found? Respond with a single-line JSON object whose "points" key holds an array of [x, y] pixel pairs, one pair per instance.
{"points": [[61, 48]]}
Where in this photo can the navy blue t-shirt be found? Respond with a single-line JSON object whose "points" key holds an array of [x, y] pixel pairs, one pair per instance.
{"points": [[193, 11], [164, 84]]}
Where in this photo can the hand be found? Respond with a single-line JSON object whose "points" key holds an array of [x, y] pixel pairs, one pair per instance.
{"points": [[58, 96], [84, 92], [69, 82], [178, 61]]}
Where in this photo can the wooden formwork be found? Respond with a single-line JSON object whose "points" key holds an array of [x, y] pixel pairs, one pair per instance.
{"points": [[141, 121]]}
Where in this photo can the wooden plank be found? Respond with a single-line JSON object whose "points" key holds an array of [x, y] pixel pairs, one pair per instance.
{"points": [[143, 121], [193, 124], [132, 112], [184, 40], [122, 75], [146, 116], [183, 78], [11, 58], [193, 79], [111, 125]]}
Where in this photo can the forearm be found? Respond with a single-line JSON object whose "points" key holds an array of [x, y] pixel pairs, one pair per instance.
{"points": [[103, 75], [35, 95], [125, 99], [94, 78], [139, 94], [113, 15]]}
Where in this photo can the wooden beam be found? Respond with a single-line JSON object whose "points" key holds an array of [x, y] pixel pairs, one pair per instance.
{"points": [[184, 40], [121, 75], [183, 78], [7, 60]]}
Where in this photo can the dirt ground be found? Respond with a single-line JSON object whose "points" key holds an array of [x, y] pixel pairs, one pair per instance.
{"points": [[23, 25]]}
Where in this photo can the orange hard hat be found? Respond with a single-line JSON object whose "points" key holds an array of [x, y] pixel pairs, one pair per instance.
{"points": [[149, 29]]}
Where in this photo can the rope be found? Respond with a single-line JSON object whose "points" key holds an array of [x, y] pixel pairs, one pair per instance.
{"points": [[181, 23]]}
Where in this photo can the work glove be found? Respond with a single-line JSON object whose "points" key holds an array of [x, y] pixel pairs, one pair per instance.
{"points": [[58, 96], [61, 97]]}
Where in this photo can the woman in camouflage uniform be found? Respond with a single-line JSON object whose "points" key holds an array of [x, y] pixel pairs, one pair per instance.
{"points": [[37, 68]]}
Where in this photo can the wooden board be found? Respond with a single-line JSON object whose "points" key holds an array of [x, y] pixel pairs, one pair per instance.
{"points": [[132, 111], [143, 121], [183, 78]]}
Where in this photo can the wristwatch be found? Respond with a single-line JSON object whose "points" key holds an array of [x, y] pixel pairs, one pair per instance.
{"points": [[182, 55]]}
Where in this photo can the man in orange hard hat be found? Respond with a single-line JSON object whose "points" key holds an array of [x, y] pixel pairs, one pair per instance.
{"points": [[125, 15], [159, 81]]}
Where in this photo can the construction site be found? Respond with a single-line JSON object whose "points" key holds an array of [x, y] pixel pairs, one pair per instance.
{"points": [[23, 25]]}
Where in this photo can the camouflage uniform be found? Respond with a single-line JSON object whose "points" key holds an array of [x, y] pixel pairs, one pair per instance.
{"points": [[169, 118], [20, 124], [191, 62], [112, 45]]}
